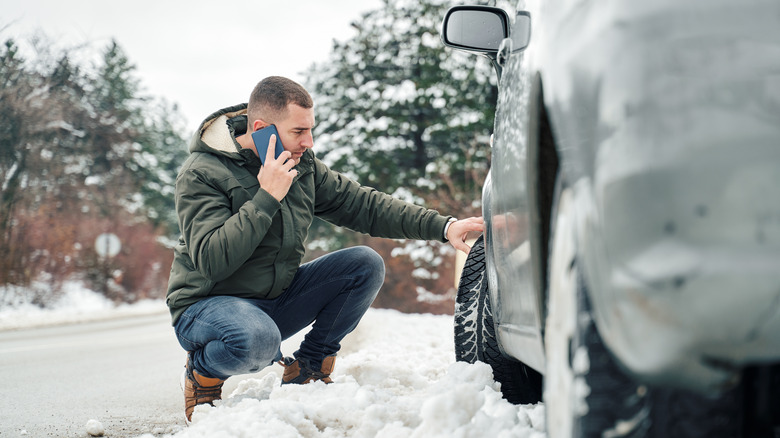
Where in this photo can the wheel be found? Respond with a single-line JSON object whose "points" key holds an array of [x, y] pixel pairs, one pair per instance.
{"points": [[586, 393], [475, 337], [599, 399]]}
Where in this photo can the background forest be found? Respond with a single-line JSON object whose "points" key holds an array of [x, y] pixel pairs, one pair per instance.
{"points": [[83, 151]]}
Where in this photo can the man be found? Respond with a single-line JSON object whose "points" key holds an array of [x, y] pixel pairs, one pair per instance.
{"points": [[237, 288]]}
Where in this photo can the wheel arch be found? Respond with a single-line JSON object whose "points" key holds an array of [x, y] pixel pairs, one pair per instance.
{"points": [[543, 170]]}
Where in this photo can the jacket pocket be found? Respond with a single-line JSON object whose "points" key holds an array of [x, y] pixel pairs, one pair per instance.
{"points": [[240, 190]]}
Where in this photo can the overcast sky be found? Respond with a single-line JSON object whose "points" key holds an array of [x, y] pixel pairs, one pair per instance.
{"points": [[202, 55]]}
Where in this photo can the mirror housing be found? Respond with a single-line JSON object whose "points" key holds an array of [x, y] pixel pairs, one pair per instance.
{"points": [[521, 31]]}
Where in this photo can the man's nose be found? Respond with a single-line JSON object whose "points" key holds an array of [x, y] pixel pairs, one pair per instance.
{"points": [[308, 142]]}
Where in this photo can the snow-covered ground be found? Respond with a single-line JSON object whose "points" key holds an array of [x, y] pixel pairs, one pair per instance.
{"points": [[396, 377], [75, 304]]}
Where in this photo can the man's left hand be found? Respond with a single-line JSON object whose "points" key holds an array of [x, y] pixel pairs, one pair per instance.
{"points": [[459, 230]]}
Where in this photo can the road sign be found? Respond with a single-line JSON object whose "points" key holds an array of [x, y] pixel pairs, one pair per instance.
{"points": [[107, 245]]}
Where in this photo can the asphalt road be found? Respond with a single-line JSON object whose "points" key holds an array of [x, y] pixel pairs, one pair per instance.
{"points": [[124, 373]]}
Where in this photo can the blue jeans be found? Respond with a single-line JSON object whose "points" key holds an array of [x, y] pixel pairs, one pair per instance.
{"points": [[227, 335]]}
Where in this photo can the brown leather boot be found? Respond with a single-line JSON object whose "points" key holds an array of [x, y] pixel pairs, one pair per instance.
{"points": [[199, 390], [295, 372]]}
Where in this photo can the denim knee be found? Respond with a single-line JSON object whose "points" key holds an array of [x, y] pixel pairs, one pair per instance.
{"points": [[372, 263], [246, 338], [257, 347]]}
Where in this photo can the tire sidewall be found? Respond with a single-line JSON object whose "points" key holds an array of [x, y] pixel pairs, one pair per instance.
{"points": [[564, 402]]}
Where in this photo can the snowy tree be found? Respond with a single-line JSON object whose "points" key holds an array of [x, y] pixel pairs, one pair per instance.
{"points": [[40, 146], [81, 146], [86, 137], [143, 138], [161, 151], [395, 109], [13, 159]]}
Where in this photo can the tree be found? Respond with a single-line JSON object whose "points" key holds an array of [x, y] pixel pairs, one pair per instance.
{"points": [[149, 147], [13, 159], [37, 145], [81, 147], [395, 109], [398, 112], [161, 151]]}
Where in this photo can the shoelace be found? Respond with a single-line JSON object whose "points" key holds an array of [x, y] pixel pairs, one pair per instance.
{"points": [[207, 392], [203, 391], [305, 371]]}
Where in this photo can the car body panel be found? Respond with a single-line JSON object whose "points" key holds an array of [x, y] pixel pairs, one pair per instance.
{"points": [[665, 117], [517, 310]]}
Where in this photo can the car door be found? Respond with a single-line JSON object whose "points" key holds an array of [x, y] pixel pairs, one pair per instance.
{"points": [[509, 206]]}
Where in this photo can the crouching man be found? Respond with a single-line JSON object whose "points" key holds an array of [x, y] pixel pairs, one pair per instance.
{"points": [[237, 287]]}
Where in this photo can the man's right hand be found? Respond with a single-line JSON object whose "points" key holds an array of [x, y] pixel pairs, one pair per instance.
{"points": [[277, 174]]}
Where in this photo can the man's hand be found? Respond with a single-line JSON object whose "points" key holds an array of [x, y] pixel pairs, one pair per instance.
{"points": [[277, 174], [458, 231]]}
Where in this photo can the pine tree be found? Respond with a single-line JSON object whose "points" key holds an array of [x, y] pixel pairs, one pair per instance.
{"points": [[15, 86], [395, 109], [78, 146], [399, 112], [39, 145], [143, 139], [156, 164]]}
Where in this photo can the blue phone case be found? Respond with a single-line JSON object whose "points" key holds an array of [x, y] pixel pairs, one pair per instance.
{"points": [[261, 138]]}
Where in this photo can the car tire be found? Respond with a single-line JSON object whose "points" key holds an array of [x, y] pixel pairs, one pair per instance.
{"points": [[603, 400], [475, 338], [586, 393]]}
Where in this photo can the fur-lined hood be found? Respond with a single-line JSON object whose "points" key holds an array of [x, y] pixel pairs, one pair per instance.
{"points": [[217, 134]]}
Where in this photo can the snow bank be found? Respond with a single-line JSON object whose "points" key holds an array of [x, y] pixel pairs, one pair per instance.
{"points": [[76, 304], [398, 379]]}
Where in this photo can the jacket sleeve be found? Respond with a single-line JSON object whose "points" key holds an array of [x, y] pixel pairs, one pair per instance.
{"points": [[218, 241], [346, 203]]}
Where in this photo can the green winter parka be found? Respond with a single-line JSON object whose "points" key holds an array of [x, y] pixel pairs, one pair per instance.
{"points": [[238, 240]]}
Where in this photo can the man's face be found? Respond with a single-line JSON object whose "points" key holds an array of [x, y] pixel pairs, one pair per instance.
{"points": [[295, 130]]}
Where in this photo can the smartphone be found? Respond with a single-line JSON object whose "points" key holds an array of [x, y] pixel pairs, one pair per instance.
{"points": [[261, 137]]}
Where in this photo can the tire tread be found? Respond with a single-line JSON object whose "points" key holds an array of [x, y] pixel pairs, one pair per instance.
{"points": [[475, 338]]}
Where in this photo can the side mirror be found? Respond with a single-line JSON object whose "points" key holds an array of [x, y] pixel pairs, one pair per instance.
{"points": [[482, 28], [475, 28]]}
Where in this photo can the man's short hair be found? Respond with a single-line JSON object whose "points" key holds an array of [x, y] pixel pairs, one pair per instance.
{"points": [[271, 96]]}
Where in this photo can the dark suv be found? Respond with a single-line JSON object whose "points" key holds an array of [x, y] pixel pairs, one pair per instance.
{"points": [[629, 275]]}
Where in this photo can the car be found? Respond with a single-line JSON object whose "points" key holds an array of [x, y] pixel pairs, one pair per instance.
{"points": [[629, 273]]}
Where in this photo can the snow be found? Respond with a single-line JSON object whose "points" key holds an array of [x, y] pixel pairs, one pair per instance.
{"points": [[95, 428], [75, 304], [399, 379], [395, 377]]}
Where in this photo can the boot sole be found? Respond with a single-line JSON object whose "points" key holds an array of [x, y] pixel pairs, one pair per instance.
{"points": [[182, 381]]}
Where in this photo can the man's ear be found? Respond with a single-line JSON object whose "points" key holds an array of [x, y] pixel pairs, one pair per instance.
{"points": [[259, 124]]}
